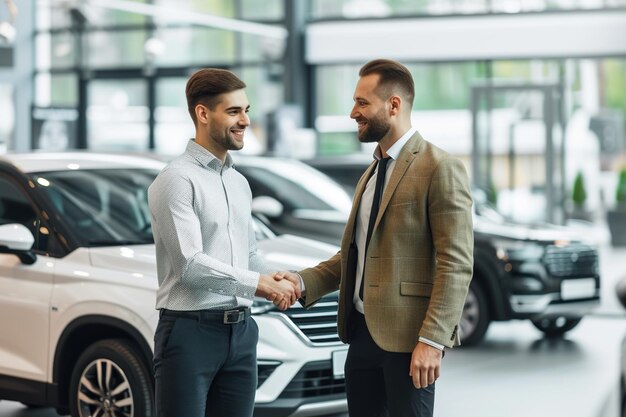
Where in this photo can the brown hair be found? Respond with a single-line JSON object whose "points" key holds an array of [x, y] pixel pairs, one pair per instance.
{"points": [[394, 78], [206, 85]]}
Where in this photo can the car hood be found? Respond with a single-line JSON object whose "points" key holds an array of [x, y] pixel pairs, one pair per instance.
{"points": [[287, 252], [532, 232], [135, 259], [330, 216], [284, 252]]}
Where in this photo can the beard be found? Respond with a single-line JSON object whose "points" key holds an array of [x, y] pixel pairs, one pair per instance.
{"points": [[225, 139], [377, 127]]}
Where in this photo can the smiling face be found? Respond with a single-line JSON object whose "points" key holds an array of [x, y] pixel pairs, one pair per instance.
{"points": [[370, 111], [227, 122]]}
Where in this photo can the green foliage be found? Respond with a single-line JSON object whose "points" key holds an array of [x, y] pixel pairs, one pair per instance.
{"points": [[492, 194], [620, 195], [614, 83], [579, 193]]}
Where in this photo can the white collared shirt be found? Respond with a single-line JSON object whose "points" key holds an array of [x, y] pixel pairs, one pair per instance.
{"points": [[202, 226]]}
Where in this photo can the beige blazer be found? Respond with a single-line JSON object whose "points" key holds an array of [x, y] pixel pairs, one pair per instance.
{"points": [[419, 261]]}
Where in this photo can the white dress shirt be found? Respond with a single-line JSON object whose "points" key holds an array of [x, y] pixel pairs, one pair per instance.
{"points": [[202, 226]]}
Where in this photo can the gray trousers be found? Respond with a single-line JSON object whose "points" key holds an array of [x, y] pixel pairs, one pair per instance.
{"points": [[203, 367]]}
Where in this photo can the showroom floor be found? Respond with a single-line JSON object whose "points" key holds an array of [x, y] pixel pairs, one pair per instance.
{"points": [[517, 373]]}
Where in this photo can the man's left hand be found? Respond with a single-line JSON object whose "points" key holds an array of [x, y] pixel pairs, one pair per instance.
{"points": [[425, 365]]}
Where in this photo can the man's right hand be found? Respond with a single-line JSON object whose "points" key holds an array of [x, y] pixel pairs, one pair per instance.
{"points": [[293, 277], [279, 291]]}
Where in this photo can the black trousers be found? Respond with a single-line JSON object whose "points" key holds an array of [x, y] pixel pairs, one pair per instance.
{"points": [[203, 367], [378, 382]]}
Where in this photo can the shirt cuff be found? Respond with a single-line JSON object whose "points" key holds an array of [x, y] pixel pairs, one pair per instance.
{"points": [[431, 343], [249, 281], [302, 286]]}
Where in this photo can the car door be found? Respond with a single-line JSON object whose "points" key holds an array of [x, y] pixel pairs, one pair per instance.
{"points": [[24, 294]]}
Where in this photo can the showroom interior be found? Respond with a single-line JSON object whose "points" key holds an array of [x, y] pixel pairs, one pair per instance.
{"points": [[529, 94]]}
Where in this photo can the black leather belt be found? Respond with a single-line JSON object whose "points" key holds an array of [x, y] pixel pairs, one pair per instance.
{"points": [[233, 316]]}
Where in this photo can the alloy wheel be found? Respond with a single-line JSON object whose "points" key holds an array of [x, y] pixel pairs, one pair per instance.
{"points": [[104, 391]]}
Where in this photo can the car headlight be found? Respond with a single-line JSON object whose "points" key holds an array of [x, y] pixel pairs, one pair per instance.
{"points": [[509, 249], [260, 306]]}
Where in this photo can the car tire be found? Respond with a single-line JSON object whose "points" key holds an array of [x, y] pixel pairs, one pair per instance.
{"points": [[110, 376], [475, 317], [556, 326]]}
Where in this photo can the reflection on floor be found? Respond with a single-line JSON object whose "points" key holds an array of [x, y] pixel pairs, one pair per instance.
{"points": [[517, 373]]}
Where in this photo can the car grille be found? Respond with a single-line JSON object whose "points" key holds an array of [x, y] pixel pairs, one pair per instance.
{"points": [[571, 261], [319, 323], [314, 380], [265, 369]]}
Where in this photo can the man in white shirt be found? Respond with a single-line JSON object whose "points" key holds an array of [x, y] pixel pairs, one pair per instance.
{"points": [[207, 264]]}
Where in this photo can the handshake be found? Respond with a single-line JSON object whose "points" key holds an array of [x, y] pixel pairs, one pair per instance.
{"points": [[281, 288]]}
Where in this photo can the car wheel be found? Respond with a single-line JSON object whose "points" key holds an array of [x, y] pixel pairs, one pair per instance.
{"points": [[109, 379], [475, 317], [556, 326]]}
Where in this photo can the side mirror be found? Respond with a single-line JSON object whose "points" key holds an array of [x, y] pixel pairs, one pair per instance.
{"points": [[267, 206], [16, 239]]}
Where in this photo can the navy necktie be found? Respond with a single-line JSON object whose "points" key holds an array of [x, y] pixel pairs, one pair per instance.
{"points": [[378, 191]]}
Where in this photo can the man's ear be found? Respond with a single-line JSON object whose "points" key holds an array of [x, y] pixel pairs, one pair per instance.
{"points": [[395, 102], [202, 113]]}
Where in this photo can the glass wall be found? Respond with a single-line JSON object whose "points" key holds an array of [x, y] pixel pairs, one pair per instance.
{"points": [[125, 73], [588, 122], [441, 87], [7, 120], [349, 9]]}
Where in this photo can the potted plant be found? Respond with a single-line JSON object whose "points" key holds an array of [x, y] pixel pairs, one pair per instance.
{"points": [[617, 217], [579, 197]]}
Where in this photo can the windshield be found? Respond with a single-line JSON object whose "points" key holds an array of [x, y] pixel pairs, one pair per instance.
{"points": [[103, 207], [297, 185]]}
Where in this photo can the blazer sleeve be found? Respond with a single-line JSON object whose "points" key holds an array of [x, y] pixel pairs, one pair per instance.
{"points": [[450, 218], [321, 279]]}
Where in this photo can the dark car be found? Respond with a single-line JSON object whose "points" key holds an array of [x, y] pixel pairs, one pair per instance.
{"points": [[296, 198], [543, 272]]}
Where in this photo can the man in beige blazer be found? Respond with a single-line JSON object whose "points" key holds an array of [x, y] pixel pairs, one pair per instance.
{"points": [[417, 266]]}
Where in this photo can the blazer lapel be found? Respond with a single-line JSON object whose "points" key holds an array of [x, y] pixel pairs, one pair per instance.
{"points": [[356, 202], [347, 283], [407, 155]]}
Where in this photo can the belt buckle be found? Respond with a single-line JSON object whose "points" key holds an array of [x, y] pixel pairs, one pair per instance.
{"points": [[234, 316]]}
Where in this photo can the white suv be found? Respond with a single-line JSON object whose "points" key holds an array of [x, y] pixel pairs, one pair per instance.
{"points": [[77, 295]]}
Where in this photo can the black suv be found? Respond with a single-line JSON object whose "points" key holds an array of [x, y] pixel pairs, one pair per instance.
{"points": [[542, 273]]}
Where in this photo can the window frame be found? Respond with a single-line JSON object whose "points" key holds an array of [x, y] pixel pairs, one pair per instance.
{"points": [[57, 240]]}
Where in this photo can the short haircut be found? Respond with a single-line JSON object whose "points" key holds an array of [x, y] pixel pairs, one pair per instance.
{"points": [[395, 78], [206, 85]]}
